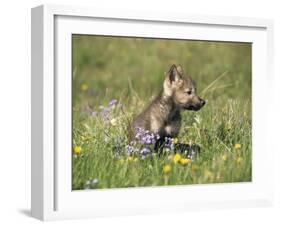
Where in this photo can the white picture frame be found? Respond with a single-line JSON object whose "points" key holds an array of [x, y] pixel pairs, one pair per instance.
{"points": [[52, 197]]}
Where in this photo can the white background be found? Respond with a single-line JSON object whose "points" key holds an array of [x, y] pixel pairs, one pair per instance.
{"points": [[151, 200], [15, 112]]}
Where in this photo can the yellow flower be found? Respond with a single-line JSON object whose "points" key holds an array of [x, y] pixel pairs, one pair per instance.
{"points": [[184, 161], [177, 158], [239, 160], [77, 150], [113, 122], [224, 157], [237, 146], [84, 87], [167, 169], [175, 140]]}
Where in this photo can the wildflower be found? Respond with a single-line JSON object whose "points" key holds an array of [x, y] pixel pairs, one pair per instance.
{"points": [[177, 158], [167, 169], [112, 103], [239, 160], [145, 152], [84, 87], [184, 161], [113, 122], [145, 137], [130, 149], [105, 111], [77, 150], [92, 183], [224, 157], [237, 146]]}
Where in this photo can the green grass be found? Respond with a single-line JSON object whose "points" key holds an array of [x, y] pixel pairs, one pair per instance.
{"points": [[132, 71]]}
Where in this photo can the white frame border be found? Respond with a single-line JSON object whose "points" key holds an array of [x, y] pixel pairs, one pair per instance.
{"points": [[43, 120]]}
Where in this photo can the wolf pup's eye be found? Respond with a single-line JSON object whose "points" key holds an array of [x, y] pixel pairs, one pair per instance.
{"points": [[189, 92]]}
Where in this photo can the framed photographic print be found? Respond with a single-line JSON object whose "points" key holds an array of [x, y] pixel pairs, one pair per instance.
{"points": [[138, 112]]}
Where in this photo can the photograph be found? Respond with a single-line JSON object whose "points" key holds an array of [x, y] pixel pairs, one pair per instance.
{"points": [[160, 112]]}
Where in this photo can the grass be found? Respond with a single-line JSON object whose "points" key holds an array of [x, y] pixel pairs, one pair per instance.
{"points": [[132, 71]]}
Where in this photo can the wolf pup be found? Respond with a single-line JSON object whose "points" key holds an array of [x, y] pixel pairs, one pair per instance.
{"points": [[163, 116]]}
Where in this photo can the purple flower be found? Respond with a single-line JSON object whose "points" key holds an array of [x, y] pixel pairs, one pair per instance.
{"points": [[145, 152], [112, 103], [130, 149], [145, 137]]}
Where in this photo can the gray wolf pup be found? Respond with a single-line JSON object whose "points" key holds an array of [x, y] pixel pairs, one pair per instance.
{"points": [[163, 114]]}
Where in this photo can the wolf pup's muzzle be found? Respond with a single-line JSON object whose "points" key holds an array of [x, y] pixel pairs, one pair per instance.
{"points": [[196, 106]]}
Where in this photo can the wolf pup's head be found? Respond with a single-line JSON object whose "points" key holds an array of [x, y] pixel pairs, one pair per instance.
{"points": [[182, 89]]}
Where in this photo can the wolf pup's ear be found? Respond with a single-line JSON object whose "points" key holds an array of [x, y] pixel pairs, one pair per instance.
{"points": [[179, 69], [174, 74]]}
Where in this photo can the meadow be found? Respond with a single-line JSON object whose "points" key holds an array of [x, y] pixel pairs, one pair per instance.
{"points": [[115, 78]]}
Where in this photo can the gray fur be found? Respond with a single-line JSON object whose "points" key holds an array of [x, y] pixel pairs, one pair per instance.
{"points": [[163, 115]]}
